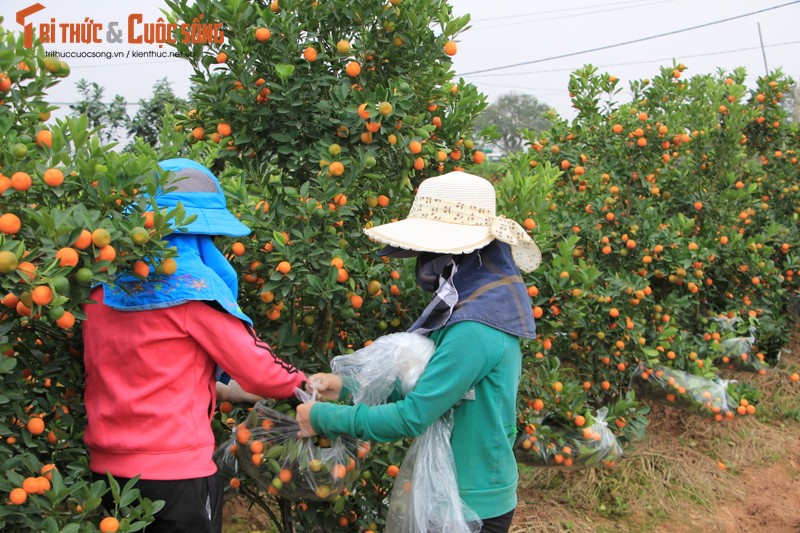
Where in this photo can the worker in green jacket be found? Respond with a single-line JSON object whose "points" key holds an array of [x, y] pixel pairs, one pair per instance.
{"points": [[471, 259]]}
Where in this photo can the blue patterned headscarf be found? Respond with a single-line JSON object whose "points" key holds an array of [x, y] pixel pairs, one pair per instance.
{"points": [[482, 286], [203, 274]]}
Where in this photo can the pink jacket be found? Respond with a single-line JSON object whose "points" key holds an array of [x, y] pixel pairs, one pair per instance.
{"points": [[150, 386]]}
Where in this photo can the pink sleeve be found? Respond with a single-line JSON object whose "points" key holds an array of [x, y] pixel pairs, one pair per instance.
{"points": [[235, 347]]}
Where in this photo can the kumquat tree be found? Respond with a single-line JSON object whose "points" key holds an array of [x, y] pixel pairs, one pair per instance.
{"points": [[325, 116], [672, 221], [67, 222], [669, 227]]}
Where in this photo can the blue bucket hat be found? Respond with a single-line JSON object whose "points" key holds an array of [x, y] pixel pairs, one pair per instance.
{"points": [[200, 193]]}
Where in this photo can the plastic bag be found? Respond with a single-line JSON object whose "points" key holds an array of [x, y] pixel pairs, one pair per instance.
{"points": [[682, 389], [425, 496], [738, 352], [726, 323], [267, 449], [376, 369], [571, 449]]}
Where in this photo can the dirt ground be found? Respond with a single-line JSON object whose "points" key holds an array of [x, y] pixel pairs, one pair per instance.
{"points": [[769, 501], [687, 476]]}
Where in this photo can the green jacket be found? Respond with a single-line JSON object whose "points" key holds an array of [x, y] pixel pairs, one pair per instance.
{"points": [[475, 368]]}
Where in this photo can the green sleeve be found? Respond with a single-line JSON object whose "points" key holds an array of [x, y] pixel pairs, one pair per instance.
{"points": [[459, 361], [349, 385]]}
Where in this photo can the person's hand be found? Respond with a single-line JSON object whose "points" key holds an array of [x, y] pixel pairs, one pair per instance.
{"points": [[303, 414], [233, 392], [328, 386]]}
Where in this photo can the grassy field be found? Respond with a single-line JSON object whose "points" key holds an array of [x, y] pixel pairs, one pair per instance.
{"points": [[688, 474]]}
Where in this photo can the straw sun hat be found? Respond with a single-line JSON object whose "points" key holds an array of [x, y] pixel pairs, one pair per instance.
{"points": [[456, 214]]}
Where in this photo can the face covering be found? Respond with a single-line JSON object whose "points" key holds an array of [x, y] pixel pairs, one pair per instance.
{"points": [[430, 268], [483, 286], [435, 273]]}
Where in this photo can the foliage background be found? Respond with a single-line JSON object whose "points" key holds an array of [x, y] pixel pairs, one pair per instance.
{"points": [[699, 174]]}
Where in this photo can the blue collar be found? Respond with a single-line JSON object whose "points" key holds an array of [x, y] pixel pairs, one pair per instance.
{"points": [[204, 274]]}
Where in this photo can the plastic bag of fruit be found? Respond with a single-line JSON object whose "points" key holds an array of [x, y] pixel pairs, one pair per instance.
{"points": [[738, 349], [425, 494], [682, 389], [266, 448], [740, 353], [593, 446]]}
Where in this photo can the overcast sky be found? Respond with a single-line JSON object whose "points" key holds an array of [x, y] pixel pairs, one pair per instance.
{"points": [[527, 34], [524, 35]]}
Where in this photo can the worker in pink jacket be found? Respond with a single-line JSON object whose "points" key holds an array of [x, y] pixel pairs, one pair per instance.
{"points": [[153, 350]]}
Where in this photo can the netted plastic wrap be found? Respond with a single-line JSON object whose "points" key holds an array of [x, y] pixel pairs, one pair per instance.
{"points": [[682, 389], [739, 352], [571, 449], [266, 448], [425, 496]]}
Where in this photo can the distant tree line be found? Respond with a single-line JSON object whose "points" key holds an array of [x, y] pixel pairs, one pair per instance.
{"points": [[112, 117], [503, 120]]}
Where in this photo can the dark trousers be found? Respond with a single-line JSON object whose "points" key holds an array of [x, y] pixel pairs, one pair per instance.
{"points": [[190, 505], [498, 524]]}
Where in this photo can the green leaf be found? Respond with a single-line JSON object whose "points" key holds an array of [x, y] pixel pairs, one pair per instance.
{"points": [[7, 364], [284, 71], [138, 526], [281, 137], [92, 504], [114, 484], [315, 283], [5, 327], [338, 505], [651, 353], [333, 273], [128, 497]]}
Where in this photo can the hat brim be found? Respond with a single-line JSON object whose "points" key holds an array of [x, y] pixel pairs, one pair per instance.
{"points": [[423, 235], [213, 222], [397, 253], [216, 222]]}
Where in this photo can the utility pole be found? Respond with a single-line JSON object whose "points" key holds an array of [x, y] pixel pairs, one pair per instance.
{"points": [[763, 52], [796, 96]]}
